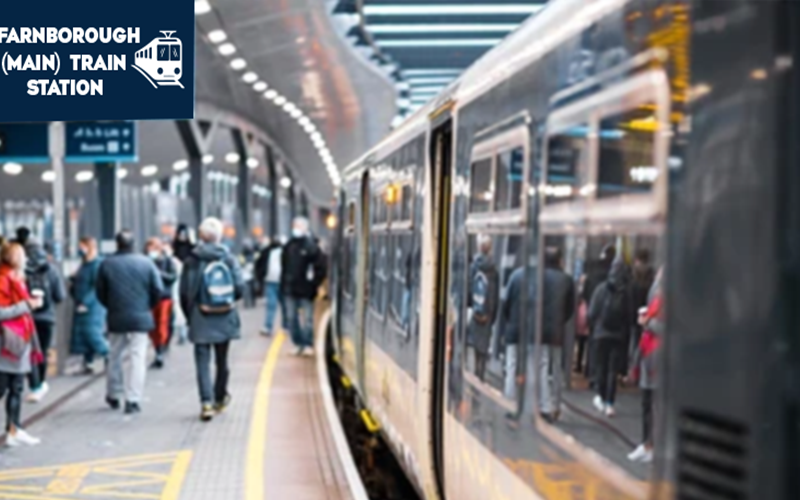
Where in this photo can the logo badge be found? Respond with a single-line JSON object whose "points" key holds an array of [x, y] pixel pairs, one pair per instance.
{"points": [[161, 61]]}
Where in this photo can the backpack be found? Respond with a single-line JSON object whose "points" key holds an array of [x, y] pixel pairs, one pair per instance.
{"points": [[40, 280], [483, 293], [217, 289], [614, 310]]}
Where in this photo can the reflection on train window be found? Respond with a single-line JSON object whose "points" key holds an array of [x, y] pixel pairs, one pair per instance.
{"points": [[380, 272], [406, 202], [567, 164], [401, 279], [493, 315], [349, 265], [379, 211], [626, 162], [481, 189], [508, 179], [597, 360]]}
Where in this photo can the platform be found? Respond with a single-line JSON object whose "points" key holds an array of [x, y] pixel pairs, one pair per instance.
{"points": [[274, 442]]}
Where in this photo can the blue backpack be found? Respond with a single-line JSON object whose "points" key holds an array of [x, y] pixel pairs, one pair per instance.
{"points": [[217, 288]]}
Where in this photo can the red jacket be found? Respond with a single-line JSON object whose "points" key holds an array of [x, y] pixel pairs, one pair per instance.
{"points": [[13, 291]]}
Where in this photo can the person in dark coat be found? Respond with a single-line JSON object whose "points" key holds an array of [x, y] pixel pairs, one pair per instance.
{"points": [[162, 313], [182, 246], [512, 312], [483, 301], [44, 282], [211, 331], [130, 286], [89, 315]]}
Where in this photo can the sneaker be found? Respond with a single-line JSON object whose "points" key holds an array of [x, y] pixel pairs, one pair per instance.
{"points": [[265, 332], [221, 406], [131, 408], [309, 352], [87, 370], [112, 402], [299, 351], [207, 413], [158, 364], [598, 403], [641, 454], [21, 438], [610, 411], [38, 394]]}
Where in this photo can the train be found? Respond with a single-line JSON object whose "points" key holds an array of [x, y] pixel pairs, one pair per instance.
{"points": [[161, 60], [661, 131]]}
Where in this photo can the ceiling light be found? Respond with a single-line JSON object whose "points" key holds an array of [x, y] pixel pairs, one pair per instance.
{"points": [[250, 77], [252, 162], [84, 176], [289, 107], [238, 63], [149, 170], [207, 159], [227, 49], [397, 120], [122, 173], [280, 100], [271, 94], [12, 168], [259, 86], [180, 165], [431, 80], [442, 42], [433, 72], [310, 128], [316, 136], [441, 28], [201, 7], [232, 157], [403, 103], [296, 113], [286, 182], [217, 36], [304, 121], [48, 176], [403, 86], [438, 10]]}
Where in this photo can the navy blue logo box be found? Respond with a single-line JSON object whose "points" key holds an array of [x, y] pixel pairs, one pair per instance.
{"points": [[82, 60]]}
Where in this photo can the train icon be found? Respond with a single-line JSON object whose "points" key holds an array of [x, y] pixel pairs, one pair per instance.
{"points": [[161, 61]]}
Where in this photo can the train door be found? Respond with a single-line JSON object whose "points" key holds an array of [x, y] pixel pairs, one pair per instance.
{"points": [[362, 289]]}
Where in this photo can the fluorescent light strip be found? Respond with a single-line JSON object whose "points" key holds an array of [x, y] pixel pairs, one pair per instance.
{"points": [[432, 10], [443, 80], [427, 90], [453, 42], [409, 73], [381, 29]]}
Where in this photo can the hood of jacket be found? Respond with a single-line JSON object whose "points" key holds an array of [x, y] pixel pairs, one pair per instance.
{"points": [[210, 251], [483, 262], [618, 275], [36, 258]]}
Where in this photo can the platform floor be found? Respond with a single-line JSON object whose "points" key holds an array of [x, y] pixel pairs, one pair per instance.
{"points": [[272, 443]]}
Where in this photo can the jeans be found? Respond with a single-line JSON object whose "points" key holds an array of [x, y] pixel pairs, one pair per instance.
{"points": [[511, 371], [38, 375], [647, 416], [405, 306], [550, 378], [272, 292], [14, 384], [132, 346], [202, 363], [300, 316], [609, 354]]}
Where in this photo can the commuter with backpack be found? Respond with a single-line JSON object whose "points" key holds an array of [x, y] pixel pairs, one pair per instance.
{"points": [[210, 286]]}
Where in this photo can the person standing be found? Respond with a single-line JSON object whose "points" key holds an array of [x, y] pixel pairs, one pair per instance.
{"points": [[20, 352], [178, 318], [162, 312], [43, 282], [182, 246], [268, 271], [483, 301], [303, 270], [129, 286], [89, 315], [210, 286]]}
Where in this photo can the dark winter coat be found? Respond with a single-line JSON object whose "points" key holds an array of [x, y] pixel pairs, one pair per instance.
{"points": [[88, 327], [618, 282], [39, 266], [481, 324], [558, 305], [129, 285], [209, 328], [182, 246], [303, 268], [512, 309], [262, 261], [168, 273]]}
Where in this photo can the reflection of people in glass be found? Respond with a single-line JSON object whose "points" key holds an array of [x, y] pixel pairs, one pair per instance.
{"points": [[558, 306], [651, 320], [643, 274], [596, 273], [581, 327], [483, 302], [611, 317], [512, 311]]}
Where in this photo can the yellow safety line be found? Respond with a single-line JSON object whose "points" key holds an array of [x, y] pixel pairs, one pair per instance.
{"points": [[179, 468], [256, 446]]}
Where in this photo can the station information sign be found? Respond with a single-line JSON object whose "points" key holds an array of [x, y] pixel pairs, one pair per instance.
{"points": [[24, 142], [81, 60], [88, 142]]}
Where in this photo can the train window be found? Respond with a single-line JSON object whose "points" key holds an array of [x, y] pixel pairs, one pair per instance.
{"points": [[567, 164], [626, 160], [401, 279], [481, 188], [406, 202], [508, 179], [163, 52], [175, 52]]}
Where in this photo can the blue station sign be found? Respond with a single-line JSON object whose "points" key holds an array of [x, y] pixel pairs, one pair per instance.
{"points": [[82, 60], [88, 142], [24, 142]]}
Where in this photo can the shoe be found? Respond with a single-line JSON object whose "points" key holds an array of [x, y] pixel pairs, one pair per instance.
{"points": [[598, 403], [112, 402], [87, 370], [641, 454], [548, 417], [265, 332], [309, 352], [38, 394], [131, 408], [207, 413], [221, 406], [21, 438], [299, 351], [610, 411], [157, 364]]}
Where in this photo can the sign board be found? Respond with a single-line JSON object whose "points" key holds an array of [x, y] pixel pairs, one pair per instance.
{"points": [[24, 142], [88, 142], [81, 60]]}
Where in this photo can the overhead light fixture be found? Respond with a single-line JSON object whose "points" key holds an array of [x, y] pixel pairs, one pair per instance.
{"points": [[122, 173], [448, 9], [280, 100], [430, 80], [403, 103], [310, 128], [441, 42], [252, 162], [286, 182], [289, 107], [180, 165], [48, 176], [409, 73], [304, 121], [316, 136], [208, 159], [430, 89], [259, 86], [12, 168], [397, 120], [380, 29], [84, 176], [149, 170], [403, 86], [296, 113], [238, 63], [201, 7], [250, 77], [217, 36], [227, 49], [271, 94], [232, 157]]}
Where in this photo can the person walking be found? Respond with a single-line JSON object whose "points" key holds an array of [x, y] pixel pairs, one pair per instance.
{"points": [[483, 301], [20, 352], [268, 271], [179, 325], [162, 312], [129, 286], [183, 245], [210, 286], [45, 283], [88, 314], [303, 270]]}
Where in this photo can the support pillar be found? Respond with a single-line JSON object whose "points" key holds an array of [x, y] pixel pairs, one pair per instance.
{"points": [[108, 195], [273, 185], [198, 183], [243, 189]]}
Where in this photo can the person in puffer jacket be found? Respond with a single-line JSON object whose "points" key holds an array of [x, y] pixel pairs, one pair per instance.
{"points": [[483, 301]]}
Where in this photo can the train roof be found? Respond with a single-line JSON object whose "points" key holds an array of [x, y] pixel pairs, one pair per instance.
{"points": [[556, 22]]}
